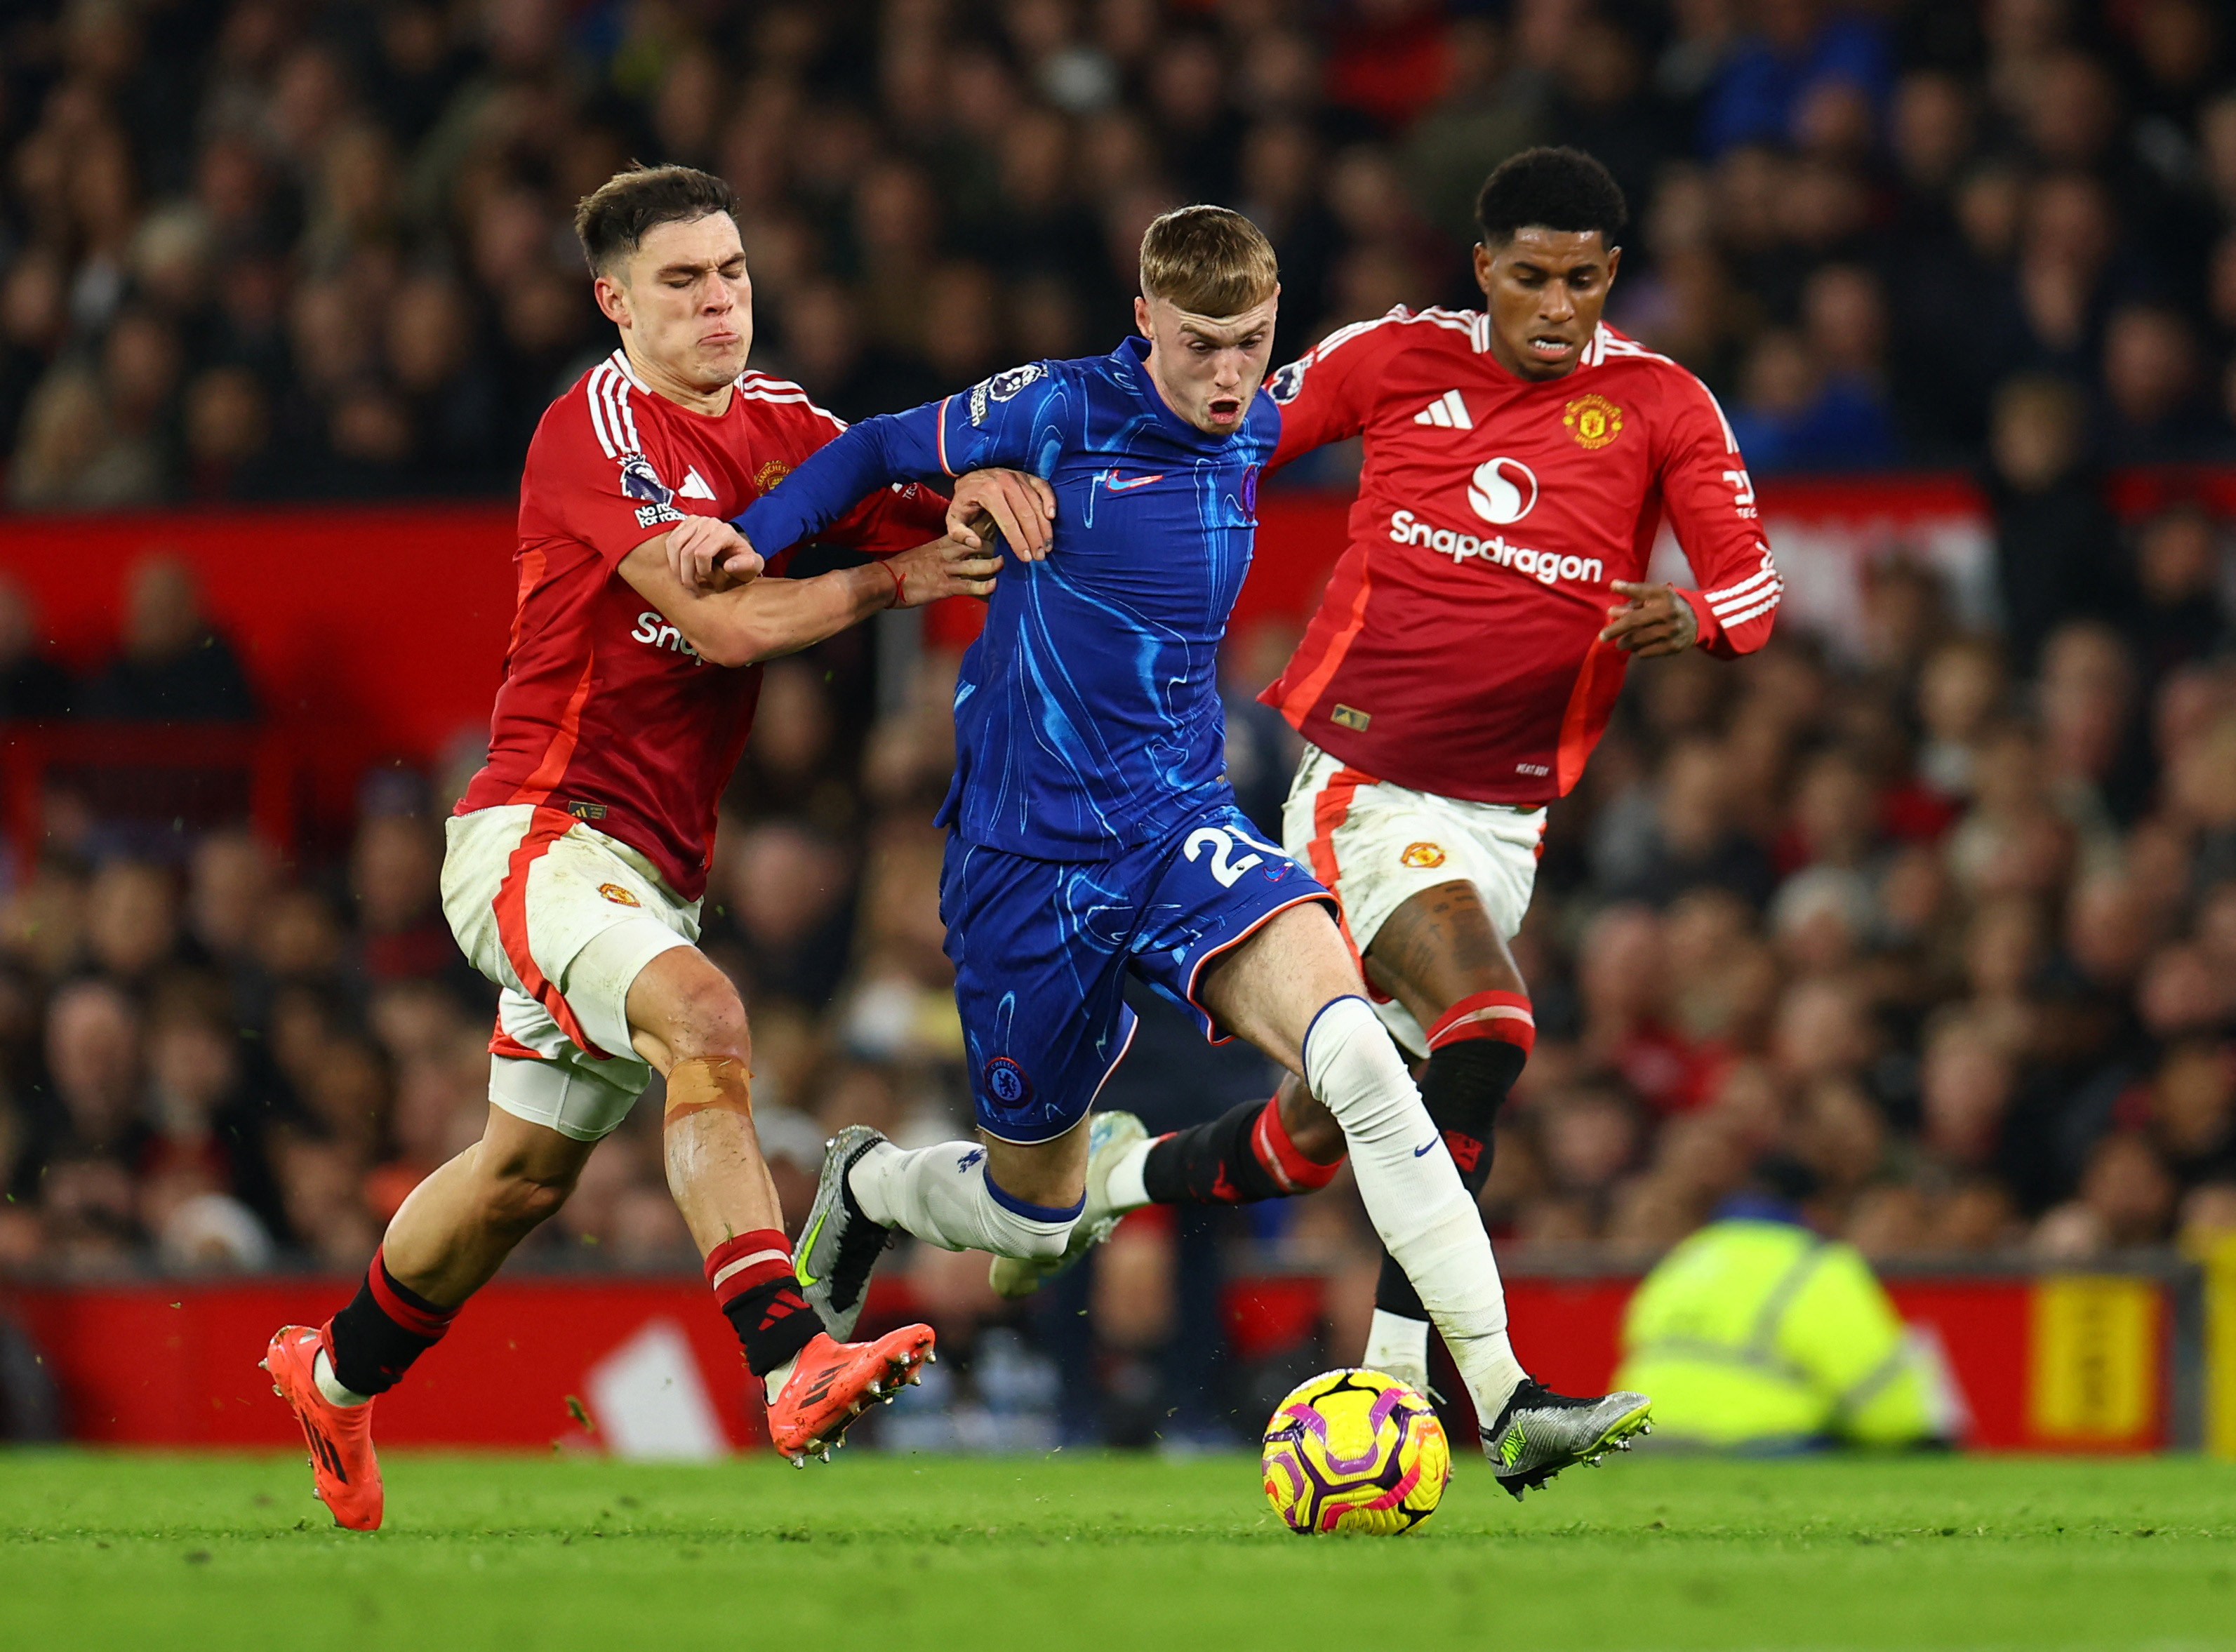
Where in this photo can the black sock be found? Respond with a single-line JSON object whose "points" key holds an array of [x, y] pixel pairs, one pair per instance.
{"points": [[1464, 1087], [774, 1323], [1211, 1164], [372, 1342]]}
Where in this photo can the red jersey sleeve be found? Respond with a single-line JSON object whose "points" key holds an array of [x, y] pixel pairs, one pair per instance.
{"points": [[600, 493], [1327, 394], [894, 518], [1712, 509]]}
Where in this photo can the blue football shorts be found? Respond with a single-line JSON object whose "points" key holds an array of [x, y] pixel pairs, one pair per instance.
{"points": [[1041, 951]]}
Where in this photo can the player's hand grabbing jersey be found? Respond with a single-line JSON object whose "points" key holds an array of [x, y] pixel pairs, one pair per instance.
{"points": [[605, 711], [1087, 714], [1456, 649]]}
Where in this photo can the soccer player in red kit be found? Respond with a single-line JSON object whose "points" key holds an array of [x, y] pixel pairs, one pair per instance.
{"points": [[577, 857], [1462, 663]]}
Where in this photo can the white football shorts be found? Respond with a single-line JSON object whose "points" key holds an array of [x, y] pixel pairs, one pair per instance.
{"points": [[1377, 845], [563, 919]]}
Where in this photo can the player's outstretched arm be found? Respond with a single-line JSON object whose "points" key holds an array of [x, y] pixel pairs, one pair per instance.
{"points": [[876, 453], [707, 554], [746, 623], [981, 438]]}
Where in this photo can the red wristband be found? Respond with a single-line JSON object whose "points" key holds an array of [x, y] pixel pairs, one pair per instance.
{"points": [[900, 588]]}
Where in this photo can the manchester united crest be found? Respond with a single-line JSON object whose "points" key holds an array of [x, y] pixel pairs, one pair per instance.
{"points": [[1422, 855], [1592, 420], [770, 474], [618, 896]]}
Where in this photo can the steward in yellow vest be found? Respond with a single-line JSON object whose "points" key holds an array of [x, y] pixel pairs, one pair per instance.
{"points": [[1756, 1334]]}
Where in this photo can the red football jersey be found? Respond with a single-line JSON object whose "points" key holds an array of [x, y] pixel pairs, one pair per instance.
{"points": [[605, 711], [1457, 649]]}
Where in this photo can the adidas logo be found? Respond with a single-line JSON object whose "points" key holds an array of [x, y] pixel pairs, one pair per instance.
{"points": [[694, 485], [781, 1308], [1448, 411]]}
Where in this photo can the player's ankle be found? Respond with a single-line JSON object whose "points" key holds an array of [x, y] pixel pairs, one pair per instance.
{"points": [[1488, 1368], [864, 1185], [752, 1274], [379, 1334], [772, 1385], [322, 1373], [1125, 1188], [1397, 1344]]}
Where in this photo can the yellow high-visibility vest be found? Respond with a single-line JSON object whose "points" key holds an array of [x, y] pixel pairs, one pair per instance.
{"points": [[1759, 1334]]}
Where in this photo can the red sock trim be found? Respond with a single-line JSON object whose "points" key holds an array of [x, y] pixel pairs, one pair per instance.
{"points": [[739, 1264], [1283, 1160], [413, 1312], [1503, 1016]]}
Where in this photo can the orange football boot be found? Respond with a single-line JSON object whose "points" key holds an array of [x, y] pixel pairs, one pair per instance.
{"points": [[836, 1382], [344, 1470]]}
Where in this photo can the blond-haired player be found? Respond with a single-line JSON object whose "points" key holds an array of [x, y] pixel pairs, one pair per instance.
{"points": [[1093, 833]]}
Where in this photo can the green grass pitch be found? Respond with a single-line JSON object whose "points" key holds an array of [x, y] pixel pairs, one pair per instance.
{"points": [[534, 1555]]}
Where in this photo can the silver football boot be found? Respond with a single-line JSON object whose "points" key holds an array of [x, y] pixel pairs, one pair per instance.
{"points": [[840, 1245], [1540, 1432]]}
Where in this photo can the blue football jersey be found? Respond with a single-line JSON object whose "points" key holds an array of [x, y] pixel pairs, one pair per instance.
{"points": [[1087, 714]]}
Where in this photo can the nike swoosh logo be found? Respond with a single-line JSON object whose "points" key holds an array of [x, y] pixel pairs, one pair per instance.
{"points": [[1422, 1153], [807, 1249], [1110, 481]]}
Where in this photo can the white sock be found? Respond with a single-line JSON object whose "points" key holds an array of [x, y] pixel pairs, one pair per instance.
{"points": [[941, 1195], [1127, 1188], [322, 1372], [1399, 1347], [1413, 1194], [772, 1385]]}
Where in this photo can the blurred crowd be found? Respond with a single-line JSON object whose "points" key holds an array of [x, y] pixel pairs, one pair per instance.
{"points": [[1954, 924], [321, 247], [1948, 916]]}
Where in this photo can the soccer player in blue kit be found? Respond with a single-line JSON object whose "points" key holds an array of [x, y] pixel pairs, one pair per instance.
{"points": [[1092, 829]]}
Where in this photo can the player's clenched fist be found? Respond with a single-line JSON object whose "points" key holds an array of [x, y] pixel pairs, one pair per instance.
{"points": [[707, 554], [943, 568]]}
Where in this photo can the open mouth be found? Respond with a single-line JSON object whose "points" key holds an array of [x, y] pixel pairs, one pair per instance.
{"points": [[1548, 346], [1224, 410]]}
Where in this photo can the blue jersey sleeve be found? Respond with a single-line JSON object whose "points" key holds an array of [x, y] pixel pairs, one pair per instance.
{"points": [[991, 424]]}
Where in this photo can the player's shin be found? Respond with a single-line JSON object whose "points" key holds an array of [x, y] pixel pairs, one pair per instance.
{"points": [[943, 1195], [1241, 1157], [1425, 1218], [1476, 1049], [722, 1186]]}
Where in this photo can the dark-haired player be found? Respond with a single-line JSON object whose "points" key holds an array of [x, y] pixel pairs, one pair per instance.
{"points": [[577, 857], [1519, 461]]}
